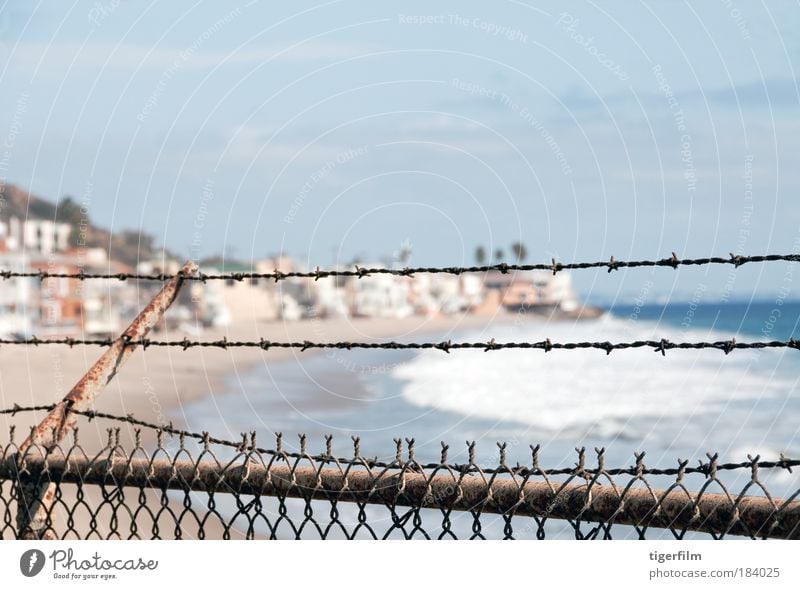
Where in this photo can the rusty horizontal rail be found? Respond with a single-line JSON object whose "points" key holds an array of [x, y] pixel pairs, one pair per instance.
{"points": [[674, 508]]}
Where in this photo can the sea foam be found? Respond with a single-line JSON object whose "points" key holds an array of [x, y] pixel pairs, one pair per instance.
{"points": [[568, 390]]}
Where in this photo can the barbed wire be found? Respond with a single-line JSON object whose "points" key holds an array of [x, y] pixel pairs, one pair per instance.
{"points": [[359, 272], [248, 443], [661, 345]]}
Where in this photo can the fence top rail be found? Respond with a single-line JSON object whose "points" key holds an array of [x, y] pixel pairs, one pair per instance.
{"points": [[707, 502], [360, 272], [659, 346], [404, 452]]}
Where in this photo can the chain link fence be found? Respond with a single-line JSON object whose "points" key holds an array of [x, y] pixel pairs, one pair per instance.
{"points": [[185, 485]]}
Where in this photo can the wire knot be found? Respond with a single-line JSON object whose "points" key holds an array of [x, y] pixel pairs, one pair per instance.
{"points": [[754, 466], [729, 346], [674, 261], [737, 260], [784, 463], [710, 469], [639, 463]]}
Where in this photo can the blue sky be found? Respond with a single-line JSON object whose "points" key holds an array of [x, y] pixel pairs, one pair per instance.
{"points": [[346, 129]]}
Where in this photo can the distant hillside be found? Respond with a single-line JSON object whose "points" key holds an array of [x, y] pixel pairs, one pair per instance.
{"points": [[127, 247]]}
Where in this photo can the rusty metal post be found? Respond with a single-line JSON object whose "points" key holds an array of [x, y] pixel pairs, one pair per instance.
{"points": [[36, 499]]}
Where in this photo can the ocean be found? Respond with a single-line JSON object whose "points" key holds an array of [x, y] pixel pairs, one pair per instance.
{"points": [[681, 405]]}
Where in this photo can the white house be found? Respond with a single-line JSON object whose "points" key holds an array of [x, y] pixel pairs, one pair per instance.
{"points": [[36, 235], [330, 299], [383, 295], [15, 297]]}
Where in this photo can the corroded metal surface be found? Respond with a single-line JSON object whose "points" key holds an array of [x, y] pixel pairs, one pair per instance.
{"points": [[34, 509], [674, 508]]}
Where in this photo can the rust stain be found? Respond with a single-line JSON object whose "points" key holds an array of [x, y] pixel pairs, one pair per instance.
{"points": [[103, 371], [37, 501]]}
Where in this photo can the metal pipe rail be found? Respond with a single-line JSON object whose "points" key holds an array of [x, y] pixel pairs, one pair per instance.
{"points": [[444, 488]]}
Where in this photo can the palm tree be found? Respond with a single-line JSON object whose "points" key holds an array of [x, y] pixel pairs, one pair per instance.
{"points": [[520, 251], [404, 254], [480, 255]]}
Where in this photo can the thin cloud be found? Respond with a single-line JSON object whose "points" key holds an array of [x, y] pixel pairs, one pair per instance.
{"points": [[770, 92], [58, 57]]}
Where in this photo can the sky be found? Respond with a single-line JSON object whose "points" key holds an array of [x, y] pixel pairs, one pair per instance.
{"points": [[352, 130]]}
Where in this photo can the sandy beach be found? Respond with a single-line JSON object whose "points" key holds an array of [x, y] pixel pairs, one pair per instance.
{"points": [[154, 384]]}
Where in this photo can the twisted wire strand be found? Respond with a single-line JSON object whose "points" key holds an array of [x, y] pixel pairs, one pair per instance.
{"points": [[639, 469], [662, 345], [359, 272]]}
